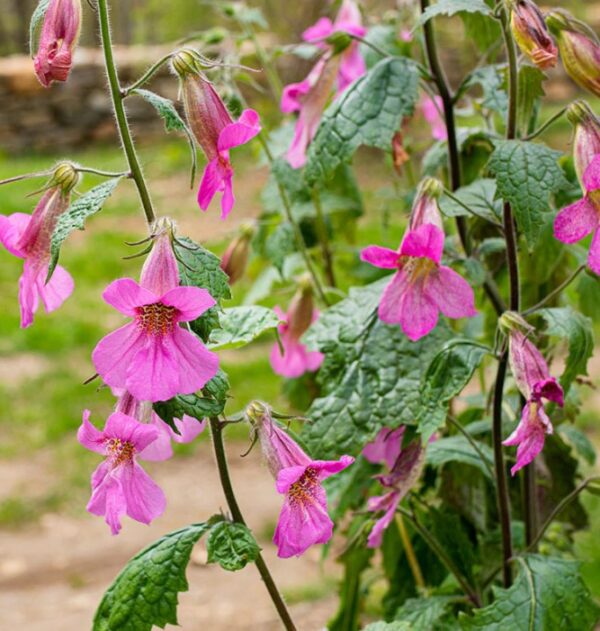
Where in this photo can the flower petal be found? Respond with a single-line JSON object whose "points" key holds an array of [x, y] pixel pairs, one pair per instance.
{"points": [[196, 365], [161, 448], [56, 290], [418, 312], [321, 29], [28, 294], [211, 183], [594, 254], [189, 428], [107, 497], [327, 468], [389, 503], [228, 199], [390, 305], [289, 476], [426, 240], [451, 293], [576, 221], [380, 257], [128, 429], [191, 302], [11, 229], [144, 499], [89, 436], [591, 177], [124, 294], [529, 435], [239, 133]]}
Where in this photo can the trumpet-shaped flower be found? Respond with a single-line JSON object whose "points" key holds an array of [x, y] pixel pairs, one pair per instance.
{"points": [[303, 520], [152, 357], [59, 36], [582, 218], [386, 446], [119, 485], [535, 383], [531, 34]]}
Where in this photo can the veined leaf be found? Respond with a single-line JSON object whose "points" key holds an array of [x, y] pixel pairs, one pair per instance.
{"points": [[240, 325], [459, 449], [231, 545], [452, 7]]}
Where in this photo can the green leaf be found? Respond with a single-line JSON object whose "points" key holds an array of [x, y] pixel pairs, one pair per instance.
{"points": [[527, 173], [480, 197], [448, 373], [370, 376], [368, 113], [530, 91], [165, 108], [36, 17], [578, 331], [492, 80], [384, 37], [452, 7], [231, 545], [241, 325], [144, 594], [280, 244], [424, 614], [548, 594], [190, 404], [200, 268], [389, 626], [581, 443], [75, 216], [483, 31], [459, 449]]}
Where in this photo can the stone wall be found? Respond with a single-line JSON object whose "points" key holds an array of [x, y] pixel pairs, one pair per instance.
{"points": [[33, 118]]}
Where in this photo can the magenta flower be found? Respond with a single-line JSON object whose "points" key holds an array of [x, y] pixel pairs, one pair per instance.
{"points": [[310, 96], [119, 485], [386, 446], [535, 383], [586, 140], [59, 36], [403, 475], [162, 449], [422, 286], [214, 129], [153, 357], [303, 520], [431, 110], [576, 221], [28, 237]]}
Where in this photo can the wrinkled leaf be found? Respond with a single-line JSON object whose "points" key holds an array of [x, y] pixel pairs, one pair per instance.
{"points": [[424, 614], [459, 449], [241, 325], [480, 197], [165, 108], [452, 7], [190, 404], [231, 545]]}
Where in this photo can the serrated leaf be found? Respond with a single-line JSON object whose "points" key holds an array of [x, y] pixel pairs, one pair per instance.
{"points": [[452, 7], [165, 108], [368, 113], [144, 594], [75, 216], [459, 449], [492, 80], [241, 325], [424, 614], [370, 376], [548, 594], [527, 173], [36, 17], [578, 331], [231, 545], [480, 197], [198, 267], [448, 373]]}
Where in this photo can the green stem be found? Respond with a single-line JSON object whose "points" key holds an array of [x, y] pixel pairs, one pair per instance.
{"points": [[219, 449], [547, 124], [473, 444], [324, 239], [147, 75], [555, 292], [100, 172], [121, 116], [272, 76], [25, 176]]}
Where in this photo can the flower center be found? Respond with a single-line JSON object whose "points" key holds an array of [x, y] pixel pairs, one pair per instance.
{"points": [[303, 490], [595, 199], [119, 452], [418, 267], [156, 319]]}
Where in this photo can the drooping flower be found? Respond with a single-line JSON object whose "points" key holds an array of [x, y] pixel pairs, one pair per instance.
{"points": [[59, 36], [531, 34], [579, 49], [28, 237], [421, 286], [386, 446], [535, 383], [214, 129], [296, 358], [431, 109], [340, 62], [303, 520], [586, 141], [235, 258], [119, 485], [403, 475], [582, 218], [152, 357]]}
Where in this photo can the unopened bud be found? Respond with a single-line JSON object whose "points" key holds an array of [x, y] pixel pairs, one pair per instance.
{"points": [[586, 143], [236, 256], [531, 34], [185, 62], [301, 309], [512, 321], [160, 272], [339, 41], [256, 411], [64, 177], [425, 207], [579, 49]]}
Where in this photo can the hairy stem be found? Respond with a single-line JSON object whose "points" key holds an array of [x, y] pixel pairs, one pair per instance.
{"points": [[555, 292], [473, 444], [147, 75], [324, 239], [542, 128], [219, 449], [120, 115]]}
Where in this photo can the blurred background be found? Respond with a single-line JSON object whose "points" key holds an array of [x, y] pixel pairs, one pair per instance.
{"points": [[55, 559]]}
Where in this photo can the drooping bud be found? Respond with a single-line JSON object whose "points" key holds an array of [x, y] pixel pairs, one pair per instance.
{"points": [[160, 272], [235, 258], [425, 208], [512, 321], [301, 310], [586, 143], [579, 48], [59, 36], [399, 154], [531, 34], [65, 177]]}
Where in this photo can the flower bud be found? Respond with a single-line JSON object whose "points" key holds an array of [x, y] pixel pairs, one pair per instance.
{"points": [[425, 208], [531, 34], [59, 36], [236, 255], [160, 272], [339, 41], [512, 321], [301, 309], [65, 177], [579, 48], [399, 154], [586, 143]]}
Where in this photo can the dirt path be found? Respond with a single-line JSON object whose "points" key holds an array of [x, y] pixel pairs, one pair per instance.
{"points": [[52, 575]]}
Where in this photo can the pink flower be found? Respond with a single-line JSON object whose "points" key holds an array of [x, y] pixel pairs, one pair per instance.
{"points": [[535, 383], [214, 129], [152, 356], [531, 34], [303, 520], [28, 237], [296, 358], [586, 141], [386, 446], [310, 96], [431, 110], [576, 221], [60, 33], [421, 287], [235, 258], [402, 477], [119, 485]]}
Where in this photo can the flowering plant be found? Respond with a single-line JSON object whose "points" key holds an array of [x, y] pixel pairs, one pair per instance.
{"points": [[430, 440]]}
